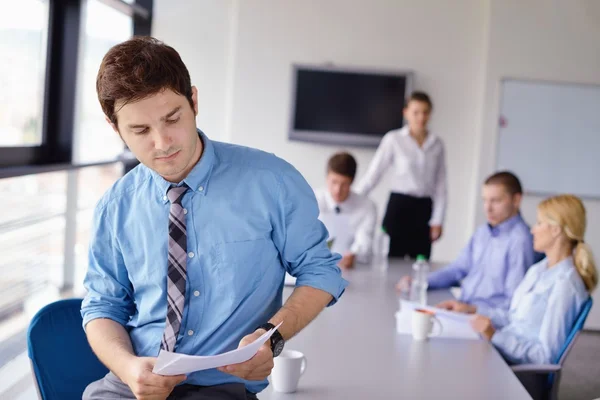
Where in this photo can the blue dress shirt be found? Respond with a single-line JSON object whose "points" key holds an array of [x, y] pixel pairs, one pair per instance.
{"points": [[491, 266], [541, 315], [250, 218]]}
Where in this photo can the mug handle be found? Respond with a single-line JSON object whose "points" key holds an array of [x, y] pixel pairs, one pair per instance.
{"points": [[304, 365], [439, 324]]}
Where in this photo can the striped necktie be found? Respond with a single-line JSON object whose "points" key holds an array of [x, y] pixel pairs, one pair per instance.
{"points": [[176, 274]]}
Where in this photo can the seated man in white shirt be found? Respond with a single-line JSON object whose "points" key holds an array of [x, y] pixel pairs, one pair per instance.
{"points": [[339, 199]]}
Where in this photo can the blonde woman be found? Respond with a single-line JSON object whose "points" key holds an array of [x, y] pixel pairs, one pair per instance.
{"points": [[553, 292]]}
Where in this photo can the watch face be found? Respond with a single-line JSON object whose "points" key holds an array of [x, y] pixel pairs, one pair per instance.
{"points": [[278, 348]]}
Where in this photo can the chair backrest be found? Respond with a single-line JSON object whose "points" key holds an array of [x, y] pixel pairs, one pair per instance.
{"points": [[575, 331], [62, 360]]}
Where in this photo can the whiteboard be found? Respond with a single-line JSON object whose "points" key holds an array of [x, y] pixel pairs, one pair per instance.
{"points": [[549, 136]]}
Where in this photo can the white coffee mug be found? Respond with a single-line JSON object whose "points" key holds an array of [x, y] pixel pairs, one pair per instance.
{"points": [[289, 367], [422, 324]]}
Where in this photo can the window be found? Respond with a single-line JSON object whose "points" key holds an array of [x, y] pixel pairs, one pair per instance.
{"points": [[52, 135], [51, 53], [33, 232], [95, 139], [23, 42], [31, 236], [92, 183]]}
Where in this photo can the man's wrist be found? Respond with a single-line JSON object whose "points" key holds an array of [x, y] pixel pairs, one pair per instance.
{"points": [[261, 331], [276, 341]]}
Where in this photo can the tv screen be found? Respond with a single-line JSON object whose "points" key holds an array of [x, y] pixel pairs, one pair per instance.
{"points": [[348, 107]]}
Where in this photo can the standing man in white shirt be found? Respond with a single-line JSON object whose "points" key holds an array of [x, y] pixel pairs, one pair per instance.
{"points": [[415, 210], [338, 198]]}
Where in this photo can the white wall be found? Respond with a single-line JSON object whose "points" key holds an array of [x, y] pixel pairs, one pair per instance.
{"points": [[240, 52], [202, 32], [375, 34], [541, 39]]}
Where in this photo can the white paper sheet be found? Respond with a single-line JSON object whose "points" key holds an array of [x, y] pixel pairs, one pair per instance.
{"points": [[174, 364], [454, 325], [289, 280], [339, 229]]}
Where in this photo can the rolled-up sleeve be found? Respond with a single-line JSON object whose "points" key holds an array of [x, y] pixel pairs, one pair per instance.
{"points": [[109, 291], [302, 239]]}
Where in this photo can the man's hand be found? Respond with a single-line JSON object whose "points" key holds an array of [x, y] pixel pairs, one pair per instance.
{"points": [[483, 325], [146, 385], [258, 367], [347, 261], [435, 232], [457, 306], [404, 283]]}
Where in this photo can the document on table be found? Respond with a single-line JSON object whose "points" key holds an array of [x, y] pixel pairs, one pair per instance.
{"points": [[454, 325], [338, 226], [174, 363]]}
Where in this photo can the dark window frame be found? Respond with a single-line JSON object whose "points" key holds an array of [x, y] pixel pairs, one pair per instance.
{"points": [[58, 117]]}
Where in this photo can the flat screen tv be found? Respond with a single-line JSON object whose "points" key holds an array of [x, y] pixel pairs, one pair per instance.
{"points": [[346, 106]]}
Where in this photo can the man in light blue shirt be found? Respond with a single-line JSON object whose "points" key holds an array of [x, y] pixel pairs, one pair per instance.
{"points": [[492, 265], [202, 272]]}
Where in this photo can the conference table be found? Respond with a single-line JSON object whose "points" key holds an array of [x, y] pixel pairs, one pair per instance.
{"points": [[354, 352]]}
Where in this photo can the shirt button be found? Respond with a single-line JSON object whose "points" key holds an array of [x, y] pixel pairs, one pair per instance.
{"points": [[196, 293], [185, 210], [191, 254], [165, 198], [190, 332], [200, 188]]}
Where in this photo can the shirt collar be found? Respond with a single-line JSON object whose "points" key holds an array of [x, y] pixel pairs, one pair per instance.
{"points": [[331, 204], [562, 266], [505, 226], [198, 178], [429, 140]]}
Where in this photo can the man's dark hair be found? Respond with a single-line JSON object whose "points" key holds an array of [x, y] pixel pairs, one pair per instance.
{"points": [[506, 179], [343, 164], [421, 97], [138, 68]]}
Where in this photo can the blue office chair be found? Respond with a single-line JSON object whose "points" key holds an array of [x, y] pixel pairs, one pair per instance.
{"points": [[549, 374], [62, 361]]}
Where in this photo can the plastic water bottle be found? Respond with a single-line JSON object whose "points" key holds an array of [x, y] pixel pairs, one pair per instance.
{"points": [[418, 288]]}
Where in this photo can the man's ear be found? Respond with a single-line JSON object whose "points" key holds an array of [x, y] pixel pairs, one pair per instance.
{"points": [[517, 198], [115, 128], [195, 99]]}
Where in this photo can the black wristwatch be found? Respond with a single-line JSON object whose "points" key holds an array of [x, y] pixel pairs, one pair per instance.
{"points": [[276, 339]]}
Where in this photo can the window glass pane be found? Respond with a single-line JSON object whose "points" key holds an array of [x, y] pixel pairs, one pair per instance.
{"points": [[32, 233], [92, 183], [23, 34], [95, 140], [31, 236]]}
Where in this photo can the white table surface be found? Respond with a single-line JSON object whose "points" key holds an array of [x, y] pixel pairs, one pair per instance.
{"points": [[354, 352]]}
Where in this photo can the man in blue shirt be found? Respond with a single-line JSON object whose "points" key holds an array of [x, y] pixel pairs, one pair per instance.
{"points": [[492, 265], [189, 250]]}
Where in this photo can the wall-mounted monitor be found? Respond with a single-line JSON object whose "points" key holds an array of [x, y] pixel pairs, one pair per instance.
{"points": [[347, 106]]}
